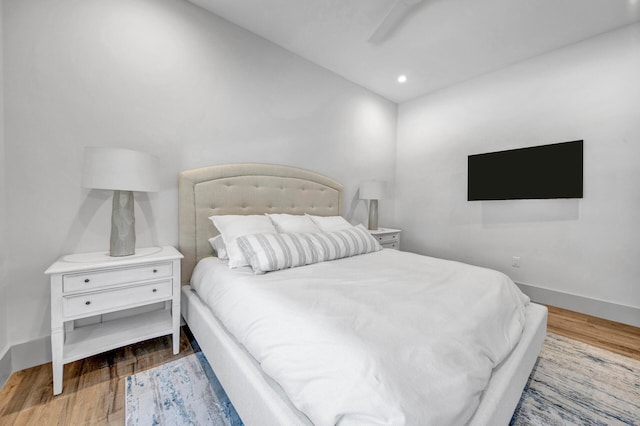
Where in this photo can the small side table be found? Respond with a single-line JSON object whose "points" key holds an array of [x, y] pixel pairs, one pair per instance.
{"points": [[90, 284], [387, 237]]}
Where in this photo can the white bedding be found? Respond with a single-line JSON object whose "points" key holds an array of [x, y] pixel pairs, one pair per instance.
{"points": [[383, 338]]}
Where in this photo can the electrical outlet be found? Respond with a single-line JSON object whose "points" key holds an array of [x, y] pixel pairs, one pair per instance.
{"points": [[515, 261]]}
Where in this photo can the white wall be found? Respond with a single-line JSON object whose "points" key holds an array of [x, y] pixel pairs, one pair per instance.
{"points": [[586, 247], [166, 77]]}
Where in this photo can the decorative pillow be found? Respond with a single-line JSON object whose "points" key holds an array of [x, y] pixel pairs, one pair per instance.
{"points": [[292, 223], [347, 242], [217, 244], [330, 223], [233, 226], [272, 252]]}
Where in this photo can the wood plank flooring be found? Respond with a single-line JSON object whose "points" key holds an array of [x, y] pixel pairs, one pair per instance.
{"points": [[94, 388], [620, 338]]}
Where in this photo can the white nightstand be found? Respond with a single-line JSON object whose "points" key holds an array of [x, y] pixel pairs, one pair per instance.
{"points": [[92, 284], [387, 237]]}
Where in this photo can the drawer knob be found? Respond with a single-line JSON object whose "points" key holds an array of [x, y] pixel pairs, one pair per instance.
{"points": [[154, 290], [88, 302], [155, 270], [86, 280]]}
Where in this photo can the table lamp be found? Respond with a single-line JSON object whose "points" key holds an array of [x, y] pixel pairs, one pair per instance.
{"points": [[123, 171], [373, 190]]}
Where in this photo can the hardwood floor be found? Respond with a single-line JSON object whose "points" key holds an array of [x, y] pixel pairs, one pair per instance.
{"points": [[613, 336], [94, 388]]}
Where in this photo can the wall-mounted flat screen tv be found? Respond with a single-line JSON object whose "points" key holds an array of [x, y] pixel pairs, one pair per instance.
{"points": [[546, 171]]}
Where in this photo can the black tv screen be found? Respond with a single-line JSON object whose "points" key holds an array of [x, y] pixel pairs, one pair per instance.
{"points": [[546, 171]]}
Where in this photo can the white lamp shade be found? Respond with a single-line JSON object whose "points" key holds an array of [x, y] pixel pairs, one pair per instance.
{"points": [[373, 189], [119, 169]]}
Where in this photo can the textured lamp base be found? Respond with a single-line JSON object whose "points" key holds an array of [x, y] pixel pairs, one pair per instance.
{"points": [[123, 225], [373, 215]]}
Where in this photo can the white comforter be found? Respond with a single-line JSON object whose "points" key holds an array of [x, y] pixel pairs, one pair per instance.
{"points": [[384, 338]]}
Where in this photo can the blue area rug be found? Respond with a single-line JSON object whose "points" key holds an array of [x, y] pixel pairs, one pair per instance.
{"points": [[182, 392], [572, 384]]}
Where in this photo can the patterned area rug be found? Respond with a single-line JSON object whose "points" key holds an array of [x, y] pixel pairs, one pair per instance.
{"points": [[182, 392], [578, 384], [572, 384]]}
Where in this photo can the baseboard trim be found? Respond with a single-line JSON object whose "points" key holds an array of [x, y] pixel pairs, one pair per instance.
{"points": [[5, 367], [24, 355], [594, 307], [31, 353]]}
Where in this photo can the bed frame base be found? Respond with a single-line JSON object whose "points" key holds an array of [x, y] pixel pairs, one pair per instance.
{"points": [[261, 401]]}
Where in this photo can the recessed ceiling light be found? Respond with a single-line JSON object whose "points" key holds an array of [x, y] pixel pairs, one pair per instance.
{"points": [[402, 79]]}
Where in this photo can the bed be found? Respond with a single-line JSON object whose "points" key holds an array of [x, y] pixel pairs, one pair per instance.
{"points": [[255, 189]]}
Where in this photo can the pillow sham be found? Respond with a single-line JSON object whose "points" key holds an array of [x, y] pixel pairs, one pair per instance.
{"points": [[293, 223], [330, 223], [272, 252], [217, 244], [233, 226]]}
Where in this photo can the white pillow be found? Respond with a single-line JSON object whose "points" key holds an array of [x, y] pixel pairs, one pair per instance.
{"points": [[217, 244], [347, 242], [233, 226], [272, 252], [297, 223], [330, 223]]}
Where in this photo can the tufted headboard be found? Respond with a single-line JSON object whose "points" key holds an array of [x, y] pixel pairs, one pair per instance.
{"points": [[246, 189]]}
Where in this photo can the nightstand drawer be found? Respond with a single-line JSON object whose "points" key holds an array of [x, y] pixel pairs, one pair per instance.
{"points": [[103, 301], [387, 238], [95, 280]]}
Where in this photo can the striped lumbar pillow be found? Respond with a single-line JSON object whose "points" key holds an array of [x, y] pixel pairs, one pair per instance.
{"points": [[346, 243], [272, 252]]}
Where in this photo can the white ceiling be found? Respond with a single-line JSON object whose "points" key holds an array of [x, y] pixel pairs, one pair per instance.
{"points": [[437, 44]]}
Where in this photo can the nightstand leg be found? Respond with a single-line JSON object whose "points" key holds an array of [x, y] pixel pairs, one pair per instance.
{"points": [[57, 341], [175, 317]]}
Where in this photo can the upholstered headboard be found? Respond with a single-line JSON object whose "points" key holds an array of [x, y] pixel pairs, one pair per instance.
{"points": [[246, 189]]}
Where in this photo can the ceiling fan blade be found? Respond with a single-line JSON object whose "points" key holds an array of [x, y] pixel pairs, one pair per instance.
{"points": [[395, 15]]}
